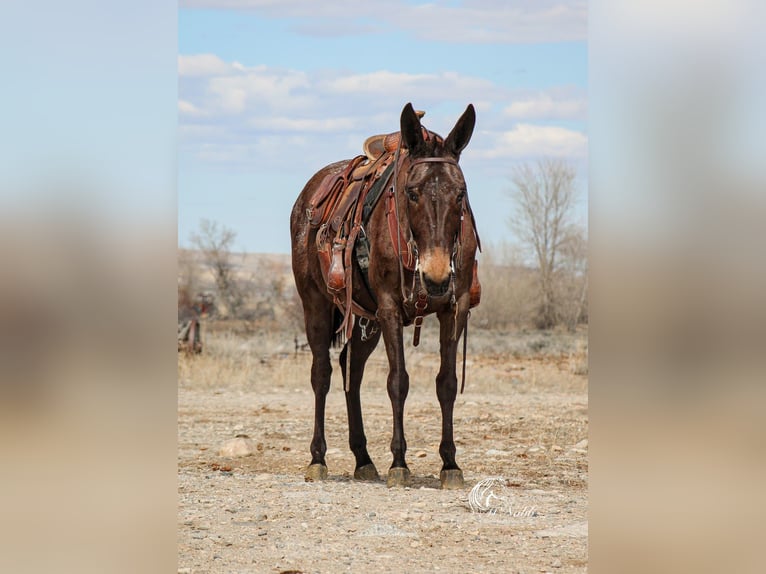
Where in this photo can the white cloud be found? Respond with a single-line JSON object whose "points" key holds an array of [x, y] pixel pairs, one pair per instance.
{"points": [[258, 86], [232, 88], [283, 8], [547, 106], [528, 141], [472, 21], [188, 108], [210, 84], [375, 82], [303, 124], [267, 115], [509, 22], [203, 65], [384, 85]]}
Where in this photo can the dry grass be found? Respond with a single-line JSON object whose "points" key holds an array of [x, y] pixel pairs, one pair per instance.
{"points": [[270, 301]]}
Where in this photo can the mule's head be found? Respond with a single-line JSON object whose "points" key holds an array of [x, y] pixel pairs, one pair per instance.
{"points": [[434, 193]]}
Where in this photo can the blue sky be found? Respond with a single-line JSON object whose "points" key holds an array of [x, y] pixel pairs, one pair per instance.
{"points": [[269, 92]]}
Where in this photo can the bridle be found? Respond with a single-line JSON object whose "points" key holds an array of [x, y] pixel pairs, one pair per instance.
{"points": [[456, 244], [417, 293]]}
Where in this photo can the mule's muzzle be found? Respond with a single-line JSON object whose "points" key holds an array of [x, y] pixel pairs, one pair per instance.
{"points": [[435, 271], [436, 288]]}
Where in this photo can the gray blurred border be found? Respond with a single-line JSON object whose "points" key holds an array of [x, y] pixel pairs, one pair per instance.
{"points": [[87, 297], [678, 316]]}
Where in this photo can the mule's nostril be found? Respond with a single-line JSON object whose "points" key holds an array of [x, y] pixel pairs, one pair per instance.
{"points": [[436, 288]]}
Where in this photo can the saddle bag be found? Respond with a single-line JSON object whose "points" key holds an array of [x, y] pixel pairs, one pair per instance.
{"points": [[474, 291], [336, 275]]}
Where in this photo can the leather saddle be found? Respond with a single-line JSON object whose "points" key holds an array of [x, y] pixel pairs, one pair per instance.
{"points": [[337, 208]]}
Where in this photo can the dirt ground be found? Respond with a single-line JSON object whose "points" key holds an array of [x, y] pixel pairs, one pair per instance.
{"points": [[523, 417]]}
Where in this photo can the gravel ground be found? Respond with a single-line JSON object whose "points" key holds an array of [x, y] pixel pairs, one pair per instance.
{"points": [[523, 418]]}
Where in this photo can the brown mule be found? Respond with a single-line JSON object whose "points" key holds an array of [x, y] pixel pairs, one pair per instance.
{"points": [[406, 249]]}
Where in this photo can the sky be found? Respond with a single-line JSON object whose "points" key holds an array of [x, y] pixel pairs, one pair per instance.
{"points": [[270, 92]]}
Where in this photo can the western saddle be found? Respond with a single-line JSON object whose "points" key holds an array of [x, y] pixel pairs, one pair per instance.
{"points": [[341, 207]]}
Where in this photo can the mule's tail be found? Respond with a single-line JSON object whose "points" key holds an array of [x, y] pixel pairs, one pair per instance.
{"points": [[338, 339]]}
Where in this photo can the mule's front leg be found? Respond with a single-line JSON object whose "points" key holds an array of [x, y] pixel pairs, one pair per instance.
{"points": [[446, 390], [398, 386]]}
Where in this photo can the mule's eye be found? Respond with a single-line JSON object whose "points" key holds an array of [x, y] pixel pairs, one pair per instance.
{"points": [[413, 196], [460, 196]]}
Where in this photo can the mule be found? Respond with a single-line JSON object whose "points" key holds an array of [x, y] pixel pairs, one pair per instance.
{"points": [[428, 201]]}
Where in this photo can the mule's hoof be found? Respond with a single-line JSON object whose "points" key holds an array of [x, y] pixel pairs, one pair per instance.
{"points": [[316, 472], [398, 477], [367, 472], [452, 479]]}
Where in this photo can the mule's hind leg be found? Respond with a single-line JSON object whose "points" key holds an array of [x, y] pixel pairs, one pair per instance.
{"points": [[360, 352], [319, 332], [446, 390]]}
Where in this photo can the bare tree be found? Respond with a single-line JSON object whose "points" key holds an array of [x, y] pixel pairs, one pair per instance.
{"points": [[572, 278], [215, 243], [188, 283], [544, 196]]}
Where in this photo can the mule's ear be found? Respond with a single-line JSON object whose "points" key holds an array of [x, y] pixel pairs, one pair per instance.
{"points": [[412, 133], [460, 135]]}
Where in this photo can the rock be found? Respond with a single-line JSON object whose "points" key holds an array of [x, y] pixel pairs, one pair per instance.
{"points": [[556, 563], [582, 444], [496, 452], [421, 454], [237, 447]]}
